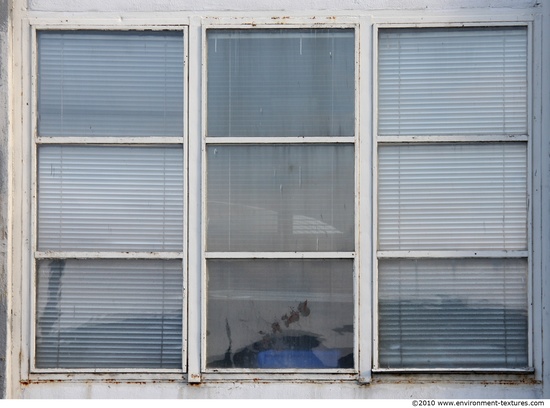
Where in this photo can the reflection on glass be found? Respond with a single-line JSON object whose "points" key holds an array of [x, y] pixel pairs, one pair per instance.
{"points": [[109, 314], [281, 198], [270, 314], [281, 82], [462, 313]]}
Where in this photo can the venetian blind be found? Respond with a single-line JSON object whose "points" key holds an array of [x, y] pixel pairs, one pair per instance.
{"points": [[444, 309], [461, 313], [108, 198], [101, 83], [118, 313], [452, 81], [453, 196], [109, 314]]}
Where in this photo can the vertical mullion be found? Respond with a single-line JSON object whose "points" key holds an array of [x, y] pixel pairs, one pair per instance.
{"points": [[185, 200], [374, 197], [195, 295], [532, 176], [33, 150], [364, 305]]}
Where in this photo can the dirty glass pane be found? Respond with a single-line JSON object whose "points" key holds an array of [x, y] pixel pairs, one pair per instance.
{"points": [[109, 314], [280, 198], [270, 314], [452, 81], [107, 83], [281, 82], [453, 313], [107, 198]]}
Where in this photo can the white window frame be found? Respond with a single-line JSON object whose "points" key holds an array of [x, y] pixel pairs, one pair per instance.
{"points": [[194, 25], [361, 348], [528, 139], [31, 144]]}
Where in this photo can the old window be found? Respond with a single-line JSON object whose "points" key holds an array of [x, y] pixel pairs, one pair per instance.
{"points": [[110, 212], [452, 147], [279, 269], [280, 199]]}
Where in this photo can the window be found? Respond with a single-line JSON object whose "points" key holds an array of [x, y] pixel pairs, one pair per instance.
{"points": [[453, 162], [280, 199], [261, 235], [110, 210]]}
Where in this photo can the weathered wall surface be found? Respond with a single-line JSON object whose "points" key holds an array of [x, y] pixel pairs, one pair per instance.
{"points": [[380, 389], [4, 57], [546, 197], [222, 5]]}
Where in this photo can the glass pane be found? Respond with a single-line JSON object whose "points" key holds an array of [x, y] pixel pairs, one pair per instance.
{"points": [[281, 198], [452, 81], [109, 314], [280, 314], [281, 82], [109, 83], [460, 196], [99, 198], [461, 313]]}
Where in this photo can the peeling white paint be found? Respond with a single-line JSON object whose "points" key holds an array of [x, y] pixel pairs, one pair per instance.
{"points": [[264, 5]]}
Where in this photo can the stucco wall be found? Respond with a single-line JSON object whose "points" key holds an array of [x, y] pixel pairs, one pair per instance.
{"points": [[4, 24], [381, 389], [221, 5]]}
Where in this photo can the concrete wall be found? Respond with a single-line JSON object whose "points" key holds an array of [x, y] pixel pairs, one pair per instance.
{"points": [[287, 5], [546, 197], [382, 387], [4, 123]]}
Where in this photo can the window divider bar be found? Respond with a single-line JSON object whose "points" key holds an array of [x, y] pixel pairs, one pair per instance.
{"points": [[149, 372], [451, 254], [128, 140], [107, 255], [279, 140], [453, 370], [279, 255], [451, 139]]}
